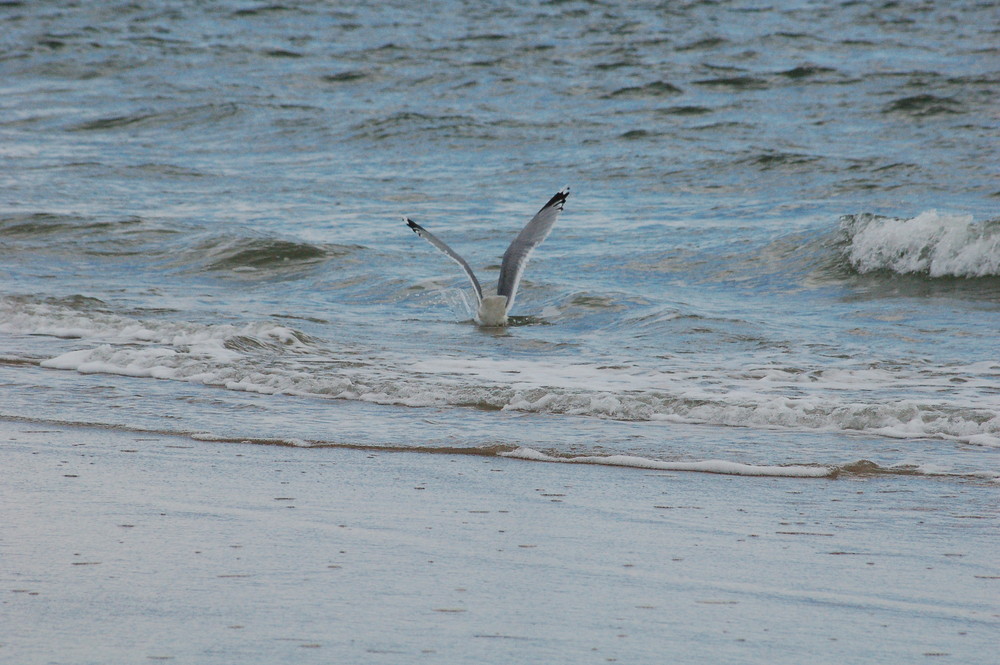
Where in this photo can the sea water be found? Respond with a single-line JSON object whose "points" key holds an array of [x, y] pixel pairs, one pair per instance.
{"points": [[780, 254]]}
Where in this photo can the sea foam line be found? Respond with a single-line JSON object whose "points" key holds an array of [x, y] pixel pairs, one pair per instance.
{"points": [[728, 468], [227, 356], [723, 467], [220, 366]]}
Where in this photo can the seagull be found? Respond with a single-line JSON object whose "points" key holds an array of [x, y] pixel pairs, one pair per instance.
{"points": [[493, 310]]}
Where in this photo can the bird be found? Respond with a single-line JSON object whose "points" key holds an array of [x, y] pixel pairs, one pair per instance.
{"points": [[492, 309]]}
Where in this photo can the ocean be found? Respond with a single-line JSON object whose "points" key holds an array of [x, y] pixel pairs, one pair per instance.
{"points": [[780, 255]]}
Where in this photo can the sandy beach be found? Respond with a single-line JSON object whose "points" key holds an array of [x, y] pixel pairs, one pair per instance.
{"points": [[121, 547]]}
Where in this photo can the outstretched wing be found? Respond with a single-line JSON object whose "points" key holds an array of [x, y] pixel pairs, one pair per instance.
{"points": [[530, 237], [434, 240]]}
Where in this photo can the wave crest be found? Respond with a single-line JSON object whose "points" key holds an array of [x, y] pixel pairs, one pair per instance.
{"points": [[932, 243]]}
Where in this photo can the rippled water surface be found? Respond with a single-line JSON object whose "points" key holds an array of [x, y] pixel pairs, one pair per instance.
{"points": [[781, 246]]}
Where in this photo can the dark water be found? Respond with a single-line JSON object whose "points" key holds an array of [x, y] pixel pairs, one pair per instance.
{"points": [[781, 245]]}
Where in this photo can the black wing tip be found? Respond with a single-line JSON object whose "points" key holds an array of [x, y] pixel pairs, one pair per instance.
{"points": [[416, 228], [559, 200]]}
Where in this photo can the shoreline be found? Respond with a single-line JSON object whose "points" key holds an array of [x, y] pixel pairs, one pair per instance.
{"points": [[123, 547]]}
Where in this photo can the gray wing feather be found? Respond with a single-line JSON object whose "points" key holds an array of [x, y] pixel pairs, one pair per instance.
{"points": [[530, 237], [434, 240]]}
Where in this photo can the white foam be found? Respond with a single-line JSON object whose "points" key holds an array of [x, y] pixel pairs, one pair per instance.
{"points": [[46, 319], [932, 243], [703, 466], [266, 358], [382, 383], [209, 436], [152, 362]]}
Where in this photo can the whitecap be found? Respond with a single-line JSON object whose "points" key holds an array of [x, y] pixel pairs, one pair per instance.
{"points": [[932, 243]]}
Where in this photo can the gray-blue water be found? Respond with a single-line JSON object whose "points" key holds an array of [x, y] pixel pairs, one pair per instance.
{"points": [[782, 243]]}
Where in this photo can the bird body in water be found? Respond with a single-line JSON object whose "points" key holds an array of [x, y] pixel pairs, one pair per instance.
{"points": [[492, 309]]}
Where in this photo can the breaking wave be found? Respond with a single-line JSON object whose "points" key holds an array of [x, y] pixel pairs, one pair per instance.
{"points": [[932, 243]]}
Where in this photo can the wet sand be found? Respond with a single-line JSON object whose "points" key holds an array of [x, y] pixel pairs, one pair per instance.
{"points": [[122, 547]]}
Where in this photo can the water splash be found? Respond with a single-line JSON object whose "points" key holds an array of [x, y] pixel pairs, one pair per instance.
{"points": [[932, 243]]}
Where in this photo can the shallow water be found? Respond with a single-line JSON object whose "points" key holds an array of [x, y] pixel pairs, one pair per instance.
{"points": [[781, 248]]}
